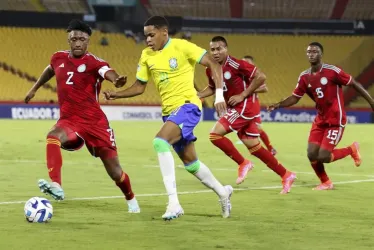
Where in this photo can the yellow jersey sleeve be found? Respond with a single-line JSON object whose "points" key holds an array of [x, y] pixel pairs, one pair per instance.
{"points": [[142, 73], [192, 51]]}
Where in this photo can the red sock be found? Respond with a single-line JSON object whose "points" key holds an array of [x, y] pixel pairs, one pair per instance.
{"points": [[54, 159], [265, 139], [340, 153], [227, 147], [269, 159], [125, 185], [319, 169]]}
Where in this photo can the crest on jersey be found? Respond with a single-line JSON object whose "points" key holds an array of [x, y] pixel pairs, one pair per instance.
{"points": [[82, 68], [323, 80], [227, 75], [173, 63]]}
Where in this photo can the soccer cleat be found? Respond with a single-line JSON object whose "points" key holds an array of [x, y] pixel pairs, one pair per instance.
{"points": [[243, 170], [325, 186], [172, 212], [53, 189], [226, 202], [273, 151], [287, 182], [133, 206], [356, 153]]}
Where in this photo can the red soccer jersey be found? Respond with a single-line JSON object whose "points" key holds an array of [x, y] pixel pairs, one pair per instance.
{"points": [[325, 88], [237, 76], [78, 86]]}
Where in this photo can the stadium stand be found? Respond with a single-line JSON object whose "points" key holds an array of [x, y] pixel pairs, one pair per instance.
{"points": [[296, 9], [193, 8], [360, 102], [66, 6], [281, 57], [19, 5], [359, 9]]}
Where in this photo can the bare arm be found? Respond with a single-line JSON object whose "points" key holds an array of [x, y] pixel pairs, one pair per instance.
{"points": [[257, 82], [208, 91], [216, 70], [289, 101], [358, 87], [117, 80], [137, 88], [262, 89], [47, 74]]}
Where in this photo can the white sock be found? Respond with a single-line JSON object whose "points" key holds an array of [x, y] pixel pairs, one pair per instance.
{"points": [[166, 161], [208, 179]]}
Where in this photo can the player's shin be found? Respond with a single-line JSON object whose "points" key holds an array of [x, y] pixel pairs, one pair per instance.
{"points": [[319, 169], [125, 185], [227, 147], [166, 161], [54, 158], [202, 172], [265, 139], [269, 159]]}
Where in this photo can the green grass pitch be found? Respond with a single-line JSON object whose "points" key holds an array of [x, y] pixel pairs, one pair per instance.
{"points": [[94, 216]]}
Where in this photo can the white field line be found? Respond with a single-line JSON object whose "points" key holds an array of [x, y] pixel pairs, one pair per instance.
{"points": [[191, 192]]}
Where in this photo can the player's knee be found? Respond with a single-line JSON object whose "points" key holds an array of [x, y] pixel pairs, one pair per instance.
{"points": [[214, 136], [313, 156], [161, 145], [324, 157]]}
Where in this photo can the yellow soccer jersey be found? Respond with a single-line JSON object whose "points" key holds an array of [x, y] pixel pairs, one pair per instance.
{"points": [[172, 69]]}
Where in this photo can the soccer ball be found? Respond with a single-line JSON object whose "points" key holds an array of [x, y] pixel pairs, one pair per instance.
{"points": [[38, 210]]}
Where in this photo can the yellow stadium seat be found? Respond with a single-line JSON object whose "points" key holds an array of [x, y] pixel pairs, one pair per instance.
{"points": [[281, 57]]}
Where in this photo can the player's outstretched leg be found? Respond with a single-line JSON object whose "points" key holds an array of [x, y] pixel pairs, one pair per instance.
{"points": [[217, 137], [192, 164], [255, 148], [166, 161], [55, 138], [265, 139], [110, 160], [353, 150]]}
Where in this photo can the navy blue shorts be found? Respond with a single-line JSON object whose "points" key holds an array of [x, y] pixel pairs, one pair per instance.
{"points": [[186, 117]]}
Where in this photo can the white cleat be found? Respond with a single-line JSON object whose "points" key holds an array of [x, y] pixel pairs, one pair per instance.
{"points": [[53, 189], [172, 212], [133, 206], [226, 202]]}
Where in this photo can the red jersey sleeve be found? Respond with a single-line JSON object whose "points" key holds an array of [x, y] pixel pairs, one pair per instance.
{"points": [[343, 78], [247, 70], [300, 89], [211, 83], [53, 60]]}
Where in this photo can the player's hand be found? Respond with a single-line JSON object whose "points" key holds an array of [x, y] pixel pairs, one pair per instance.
{"points": [[235, 99], [29, 96], [110, 95], [220, 108], [120, 81], [273, 107]]}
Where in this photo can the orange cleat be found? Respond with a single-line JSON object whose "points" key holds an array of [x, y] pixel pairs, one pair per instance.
{"points": [[243, 170], [325, 186], [287, 181], [356, 153]]}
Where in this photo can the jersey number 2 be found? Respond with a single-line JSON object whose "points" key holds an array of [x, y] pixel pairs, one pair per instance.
{"points": [[70, 75]]}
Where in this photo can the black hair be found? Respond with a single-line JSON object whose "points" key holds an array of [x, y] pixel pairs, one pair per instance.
{"points": [[317, 44], [157, 21], [249, 57], [76, 24], [219, 39]]}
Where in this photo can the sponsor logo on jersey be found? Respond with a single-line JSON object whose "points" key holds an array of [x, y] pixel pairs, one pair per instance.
{"points": [[61, 65], [81, 68]]}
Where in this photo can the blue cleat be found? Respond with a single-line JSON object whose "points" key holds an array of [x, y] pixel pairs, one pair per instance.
{"points": [[53, 189]]}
